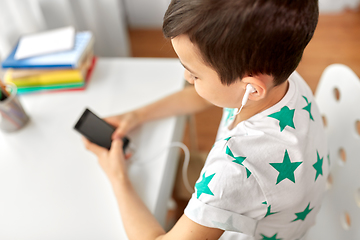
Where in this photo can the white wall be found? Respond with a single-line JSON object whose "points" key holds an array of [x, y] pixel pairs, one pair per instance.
{"points": [[149, 13], [333, 6], [105, 18], [145, 13]]}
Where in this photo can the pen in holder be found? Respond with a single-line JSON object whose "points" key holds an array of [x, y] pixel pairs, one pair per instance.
{"points": [[12, 114]]}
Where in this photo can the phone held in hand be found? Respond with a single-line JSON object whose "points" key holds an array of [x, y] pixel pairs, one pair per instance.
{"points": [[96, 130]]}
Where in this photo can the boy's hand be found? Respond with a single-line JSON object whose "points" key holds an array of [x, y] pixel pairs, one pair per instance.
{"points": [[124, 123], [111, 161]]}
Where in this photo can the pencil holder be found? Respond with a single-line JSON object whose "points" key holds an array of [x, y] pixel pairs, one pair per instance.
{"points": [[12, 114]]}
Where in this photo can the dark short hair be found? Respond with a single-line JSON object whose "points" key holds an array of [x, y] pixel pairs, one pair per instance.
{"points": [[245, 37]]}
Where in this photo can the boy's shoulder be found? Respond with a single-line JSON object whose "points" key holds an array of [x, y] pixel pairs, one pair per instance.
{"points": [[288, 134], [297, 110]]}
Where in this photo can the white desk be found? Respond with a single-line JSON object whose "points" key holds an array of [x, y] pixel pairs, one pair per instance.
{"points": [[51, 187]]}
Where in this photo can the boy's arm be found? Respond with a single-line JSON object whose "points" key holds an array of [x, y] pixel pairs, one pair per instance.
{"points": [[186, 101], [138, 221]]}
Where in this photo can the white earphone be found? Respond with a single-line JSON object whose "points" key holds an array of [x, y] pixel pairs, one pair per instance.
{"points": [[249, 89]]}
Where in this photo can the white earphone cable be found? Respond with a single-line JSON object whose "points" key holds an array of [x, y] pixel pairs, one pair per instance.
{"points": [[249, 89], [185, 165], [239, 110]]}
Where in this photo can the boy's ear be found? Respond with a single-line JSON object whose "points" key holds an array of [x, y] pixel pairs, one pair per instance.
{"points": [[259, 86]]}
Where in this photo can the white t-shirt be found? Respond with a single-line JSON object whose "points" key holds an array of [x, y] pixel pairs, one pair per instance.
{"points": [[265, 178]]}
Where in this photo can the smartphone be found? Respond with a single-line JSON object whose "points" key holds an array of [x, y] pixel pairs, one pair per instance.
{"points": [[96, 130]]}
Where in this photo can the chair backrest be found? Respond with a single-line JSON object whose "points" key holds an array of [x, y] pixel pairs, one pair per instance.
{"points": [[338, 97]]}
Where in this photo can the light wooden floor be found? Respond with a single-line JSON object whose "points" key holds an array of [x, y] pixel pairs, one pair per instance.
{"points": [[336, 40]]}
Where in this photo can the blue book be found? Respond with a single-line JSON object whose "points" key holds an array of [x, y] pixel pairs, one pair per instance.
{"points": [[67, 59]]}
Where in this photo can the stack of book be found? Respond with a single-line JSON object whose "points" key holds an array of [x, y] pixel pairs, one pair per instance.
{"points": [[65, 70]]}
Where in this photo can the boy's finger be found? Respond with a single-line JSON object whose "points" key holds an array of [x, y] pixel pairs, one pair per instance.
{"points": [[116, 146], [92, 147], [113, 121], [119, 133], [128, 155]]}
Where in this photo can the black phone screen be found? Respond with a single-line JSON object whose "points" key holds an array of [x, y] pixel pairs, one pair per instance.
{"points": [[96, 129]]}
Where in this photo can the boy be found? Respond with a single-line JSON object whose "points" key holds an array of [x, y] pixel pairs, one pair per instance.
{"points": [[265, 176]]}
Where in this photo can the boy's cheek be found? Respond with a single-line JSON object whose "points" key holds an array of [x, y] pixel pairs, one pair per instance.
{"points": [[202, 93], [188, 77]]}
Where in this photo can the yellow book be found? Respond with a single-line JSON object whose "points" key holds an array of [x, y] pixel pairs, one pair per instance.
{"points": [[54, 77], [47, 77], [24, 73]]}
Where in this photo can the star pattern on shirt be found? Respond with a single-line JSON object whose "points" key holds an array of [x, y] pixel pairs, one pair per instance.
{"points": [[308, 108], [230, 114], [202, 186], [302, 215], [285, 117], [270, 238], [248, 173], [238, 160], [227, 226], [286, 169], [318, 166], [268, 213]]}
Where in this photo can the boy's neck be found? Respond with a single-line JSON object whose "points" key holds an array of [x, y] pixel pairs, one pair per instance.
{"points": [[273, 96]]}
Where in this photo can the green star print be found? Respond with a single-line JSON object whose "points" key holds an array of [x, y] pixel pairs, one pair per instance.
{"points": [[270, 238], [202, 187], [285, 117], [286, 169], [248, 173], [238, 160], [269, 211], [308, 108], [302, 215], [230, 114], [318, 166]]}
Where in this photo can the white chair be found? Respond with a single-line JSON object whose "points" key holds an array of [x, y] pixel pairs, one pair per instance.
{"points": [[338, 97]]}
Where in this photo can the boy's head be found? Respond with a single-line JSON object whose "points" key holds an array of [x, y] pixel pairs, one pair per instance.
{"points": [[238, 38]]}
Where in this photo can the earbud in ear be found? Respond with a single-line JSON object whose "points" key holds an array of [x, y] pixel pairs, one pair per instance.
{"points": [[249, 89]]}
